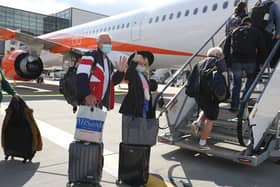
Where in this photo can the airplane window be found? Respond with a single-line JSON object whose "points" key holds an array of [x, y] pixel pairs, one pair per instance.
{"points": [[101, 30], [236, 2], [163, 17], [109, 28], [215, 6], [195, 11], [127, 25], [118, 26], [157, 18], [225, 5], [171, 16], [97, 30], [151, 20], [179, 14], [113, 27], [105, 29], [187, 12], [204, 9], [122, 26]]}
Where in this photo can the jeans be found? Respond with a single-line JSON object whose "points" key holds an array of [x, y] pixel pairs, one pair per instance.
{"points": [[237, 69]]}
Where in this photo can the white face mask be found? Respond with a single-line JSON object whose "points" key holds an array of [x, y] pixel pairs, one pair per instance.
{"points": [[106, 48], [140, 68]]}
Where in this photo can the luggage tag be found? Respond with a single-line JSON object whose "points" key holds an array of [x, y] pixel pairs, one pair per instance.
{"points": [[266, 17]]}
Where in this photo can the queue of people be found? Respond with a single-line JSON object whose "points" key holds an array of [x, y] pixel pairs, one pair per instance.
{"points": [[249, 40]]}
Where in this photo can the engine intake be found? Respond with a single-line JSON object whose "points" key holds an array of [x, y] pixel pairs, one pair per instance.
{"points": [[28, 67]]}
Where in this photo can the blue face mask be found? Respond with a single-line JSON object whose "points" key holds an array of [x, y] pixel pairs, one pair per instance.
{"points": [[106, 48], [140, 68]]}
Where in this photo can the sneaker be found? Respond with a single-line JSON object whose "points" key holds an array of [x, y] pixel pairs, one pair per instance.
{"points": [[194, 129], [204, 147]]}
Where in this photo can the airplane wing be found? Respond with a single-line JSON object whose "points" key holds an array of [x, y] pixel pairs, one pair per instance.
{"points": [[35, 42]]}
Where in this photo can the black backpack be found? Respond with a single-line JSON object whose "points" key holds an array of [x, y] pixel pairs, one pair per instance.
{"points": [[68, 85], [260, 15], [240, 41], [213, 83]]}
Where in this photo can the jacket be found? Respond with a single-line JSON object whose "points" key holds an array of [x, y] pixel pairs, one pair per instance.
{"points": [[133, 102], [274, 18], [92, 65], [5, 85], [18, 113]]}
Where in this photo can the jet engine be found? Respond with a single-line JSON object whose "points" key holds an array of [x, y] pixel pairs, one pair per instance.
{"points": [[20, 65]]}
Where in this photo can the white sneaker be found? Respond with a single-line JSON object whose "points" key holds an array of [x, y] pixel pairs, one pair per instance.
{"points": [[204, 147]]}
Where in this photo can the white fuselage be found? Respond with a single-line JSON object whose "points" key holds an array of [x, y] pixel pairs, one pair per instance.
{"points": [[172, 32]]}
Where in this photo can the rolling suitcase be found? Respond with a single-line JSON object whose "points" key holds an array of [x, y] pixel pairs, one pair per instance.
{"points": [[85, 163], [20, 134], [134, 164]]}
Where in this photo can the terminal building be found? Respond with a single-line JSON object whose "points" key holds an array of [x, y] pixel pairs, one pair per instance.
{"points": [[37, 24]]}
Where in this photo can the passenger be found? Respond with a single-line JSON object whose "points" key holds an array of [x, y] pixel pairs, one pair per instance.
{"points": [[235, 20], [269, 24], [5, 85], [138, 101], [243, 46], [208, 105], [99, 89]]}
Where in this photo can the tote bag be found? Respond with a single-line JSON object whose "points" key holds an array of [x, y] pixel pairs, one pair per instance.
{"points": [[89, 124], [139, 131]]}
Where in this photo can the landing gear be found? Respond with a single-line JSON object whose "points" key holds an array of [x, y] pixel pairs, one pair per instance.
{"points": [[40, 80]]}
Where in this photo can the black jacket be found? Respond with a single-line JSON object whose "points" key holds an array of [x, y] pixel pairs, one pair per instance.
{"points": [[255, 45], [134, 100]]}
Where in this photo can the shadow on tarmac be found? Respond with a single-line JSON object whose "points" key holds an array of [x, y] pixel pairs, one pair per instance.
{"points": [[221, 172], [11, 168]]}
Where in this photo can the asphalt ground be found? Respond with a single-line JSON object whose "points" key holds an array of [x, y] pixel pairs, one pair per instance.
{"points": [[168, 164]]}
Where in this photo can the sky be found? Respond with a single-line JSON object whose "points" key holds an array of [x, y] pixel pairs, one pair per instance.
{"points": [[107, 7]]}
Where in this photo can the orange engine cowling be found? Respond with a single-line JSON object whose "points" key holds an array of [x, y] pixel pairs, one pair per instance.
{"points": [[19, 65]]}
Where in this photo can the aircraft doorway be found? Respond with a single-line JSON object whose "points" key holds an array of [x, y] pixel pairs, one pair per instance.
{"points": [[136, 28]]}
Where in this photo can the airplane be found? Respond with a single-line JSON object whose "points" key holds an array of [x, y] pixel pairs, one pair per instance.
{"points": [[172, 32]]}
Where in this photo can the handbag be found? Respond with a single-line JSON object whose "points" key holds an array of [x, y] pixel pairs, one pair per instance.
{"points": [[139, 131], [89, 124]]}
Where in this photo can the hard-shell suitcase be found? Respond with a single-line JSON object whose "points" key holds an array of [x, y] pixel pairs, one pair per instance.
{"points": [[85, 163], [134, 164]]}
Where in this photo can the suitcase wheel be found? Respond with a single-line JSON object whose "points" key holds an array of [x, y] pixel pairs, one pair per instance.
{"points": [[6, 157], [118, 182], [68, 184]]}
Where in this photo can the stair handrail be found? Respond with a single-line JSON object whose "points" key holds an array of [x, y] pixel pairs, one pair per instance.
{"points": [[187, 62]]}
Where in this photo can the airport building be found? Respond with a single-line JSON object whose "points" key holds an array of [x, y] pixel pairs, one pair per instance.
{"points": [[77, 16], [38, 24]]}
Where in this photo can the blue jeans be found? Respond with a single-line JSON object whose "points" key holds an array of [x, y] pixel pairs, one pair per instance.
{"points": [[237, 69]]}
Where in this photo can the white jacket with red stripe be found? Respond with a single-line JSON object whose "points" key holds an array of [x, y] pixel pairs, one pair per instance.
{"points": [[92, 63]]}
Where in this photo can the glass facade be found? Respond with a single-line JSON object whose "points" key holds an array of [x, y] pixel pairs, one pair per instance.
{"points": [[29, 22]]}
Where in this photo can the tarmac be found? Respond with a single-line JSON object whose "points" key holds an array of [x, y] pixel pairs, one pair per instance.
{"points": [[169, 165]]}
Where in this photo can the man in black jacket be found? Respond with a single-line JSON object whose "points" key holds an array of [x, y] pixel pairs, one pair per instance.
{"points": [[242, 47]]}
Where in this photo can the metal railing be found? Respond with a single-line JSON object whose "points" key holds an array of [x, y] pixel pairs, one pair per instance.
{"points": [[248, 94], [190, 60]]}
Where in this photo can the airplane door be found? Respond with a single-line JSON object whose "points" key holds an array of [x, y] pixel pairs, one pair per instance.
{"points": [[136, 27]]}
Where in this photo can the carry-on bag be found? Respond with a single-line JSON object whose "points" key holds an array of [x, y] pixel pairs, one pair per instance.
{"points": [[89, 124], [85, 163], [133, 164], [20, 135], [139, 131]]}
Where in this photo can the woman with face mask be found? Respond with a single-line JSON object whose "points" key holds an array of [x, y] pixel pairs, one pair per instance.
{"points": [[138, 101]]}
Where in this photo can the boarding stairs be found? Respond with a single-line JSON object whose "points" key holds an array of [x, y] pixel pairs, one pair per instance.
{"points": [[248, 137]]}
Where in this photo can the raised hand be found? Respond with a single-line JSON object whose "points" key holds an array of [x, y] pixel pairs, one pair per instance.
{"points": [[122, 64]]}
